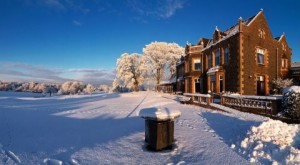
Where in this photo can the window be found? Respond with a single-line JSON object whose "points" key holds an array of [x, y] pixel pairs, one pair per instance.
{"points": [[261, 33], [217, 57], [226, 55], [213, 83], [260, 56], [209, 61], [283, 47], [284, 63], [197, 64]]}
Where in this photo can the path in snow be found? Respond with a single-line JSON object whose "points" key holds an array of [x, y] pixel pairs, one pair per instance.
{"points": [[105, 129]]}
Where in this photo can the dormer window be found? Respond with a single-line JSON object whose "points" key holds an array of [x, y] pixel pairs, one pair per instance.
{"points": [[260, 56]]}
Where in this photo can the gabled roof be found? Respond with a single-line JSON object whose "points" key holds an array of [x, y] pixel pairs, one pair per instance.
{"points": [[231, 31], [251, 19], [279, 38]]}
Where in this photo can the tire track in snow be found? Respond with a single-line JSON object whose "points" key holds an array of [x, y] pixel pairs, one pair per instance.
{"points": [[137, 106]]}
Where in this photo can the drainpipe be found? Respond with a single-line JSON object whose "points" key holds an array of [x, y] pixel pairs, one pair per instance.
{"points": [[202, 81], [276, 63]]}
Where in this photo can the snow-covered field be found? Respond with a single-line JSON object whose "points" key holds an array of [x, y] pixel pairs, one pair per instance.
{"points": [[105, 129]]}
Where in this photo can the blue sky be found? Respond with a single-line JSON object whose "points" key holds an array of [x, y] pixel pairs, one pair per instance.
{"points": [[59, 40]]}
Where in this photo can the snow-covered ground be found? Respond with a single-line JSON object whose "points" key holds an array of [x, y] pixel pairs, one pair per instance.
{"points": [[105, 129]]}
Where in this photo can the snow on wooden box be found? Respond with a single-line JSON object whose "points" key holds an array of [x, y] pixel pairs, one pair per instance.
{"points": [[159, 127], [158, 114]]}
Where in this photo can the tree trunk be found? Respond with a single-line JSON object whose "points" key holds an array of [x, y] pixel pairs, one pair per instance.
{"points": [[136, 86]]}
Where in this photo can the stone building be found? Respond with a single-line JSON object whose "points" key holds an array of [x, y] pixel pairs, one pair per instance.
{"points": [[295, 72], [243, 59]]}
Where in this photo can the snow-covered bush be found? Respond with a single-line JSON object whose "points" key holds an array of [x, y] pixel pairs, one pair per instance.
{"points": [[71, 87], [280, 84], [104, 88], [5, 86], [291, 102], [89, 89]]}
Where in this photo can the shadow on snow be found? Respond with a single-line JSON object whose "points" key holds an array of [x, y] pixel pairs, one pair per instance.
{"points": [[44, 132]]}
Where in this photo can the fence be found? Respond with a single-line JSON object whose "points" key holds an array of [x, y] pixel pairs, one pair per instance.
{"points": [[203, 99], [265, 105]]}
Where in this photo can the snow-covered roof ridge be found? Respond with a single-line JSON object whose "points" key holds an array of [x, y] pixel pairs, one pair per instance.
{"points": [[213, 69], [232, 31], [295, 64], [251, 19], [280, 38]]}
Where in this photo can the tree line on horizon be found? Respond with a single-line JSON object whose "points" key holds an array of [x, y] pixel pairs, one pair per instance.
{"points": [[65, 88]]}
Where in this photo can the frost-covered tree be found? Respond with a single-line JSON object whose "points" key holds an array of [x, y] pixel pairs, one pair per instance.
{"points": [[104, 88], [70, 87], [115, 85], [89, 89], [131, 69], [280, 84], [161, 56], [5, 86]]}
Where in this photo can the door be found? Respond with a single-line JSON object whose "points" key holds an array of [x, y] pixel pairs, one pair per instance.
{"points": [[260, 85], [197, 85], [221, 84]]}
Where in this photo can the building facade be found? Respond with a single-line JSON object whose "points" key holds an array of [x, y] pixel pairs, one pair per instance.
{"points": [[243, 59], [295, 72]]}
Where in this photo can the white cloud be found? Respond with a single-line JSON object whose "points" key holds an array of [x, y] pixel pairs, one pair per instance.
{"points": [[55, 4], [10, 71], [76, 23], [159, 8], [61, 5], [170, 8]]}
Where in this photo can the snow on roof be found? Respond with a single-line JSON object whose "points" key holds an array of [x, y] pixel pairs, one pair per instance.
{"points": [[159, 114], [279, 38], [231, 31], [251, 19], [295, 64], [213, 69]]}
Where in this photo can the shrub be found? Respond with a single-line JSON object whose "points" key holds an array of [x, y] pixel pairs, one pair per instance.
{"points": [[280, 84], [291, 102]]}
